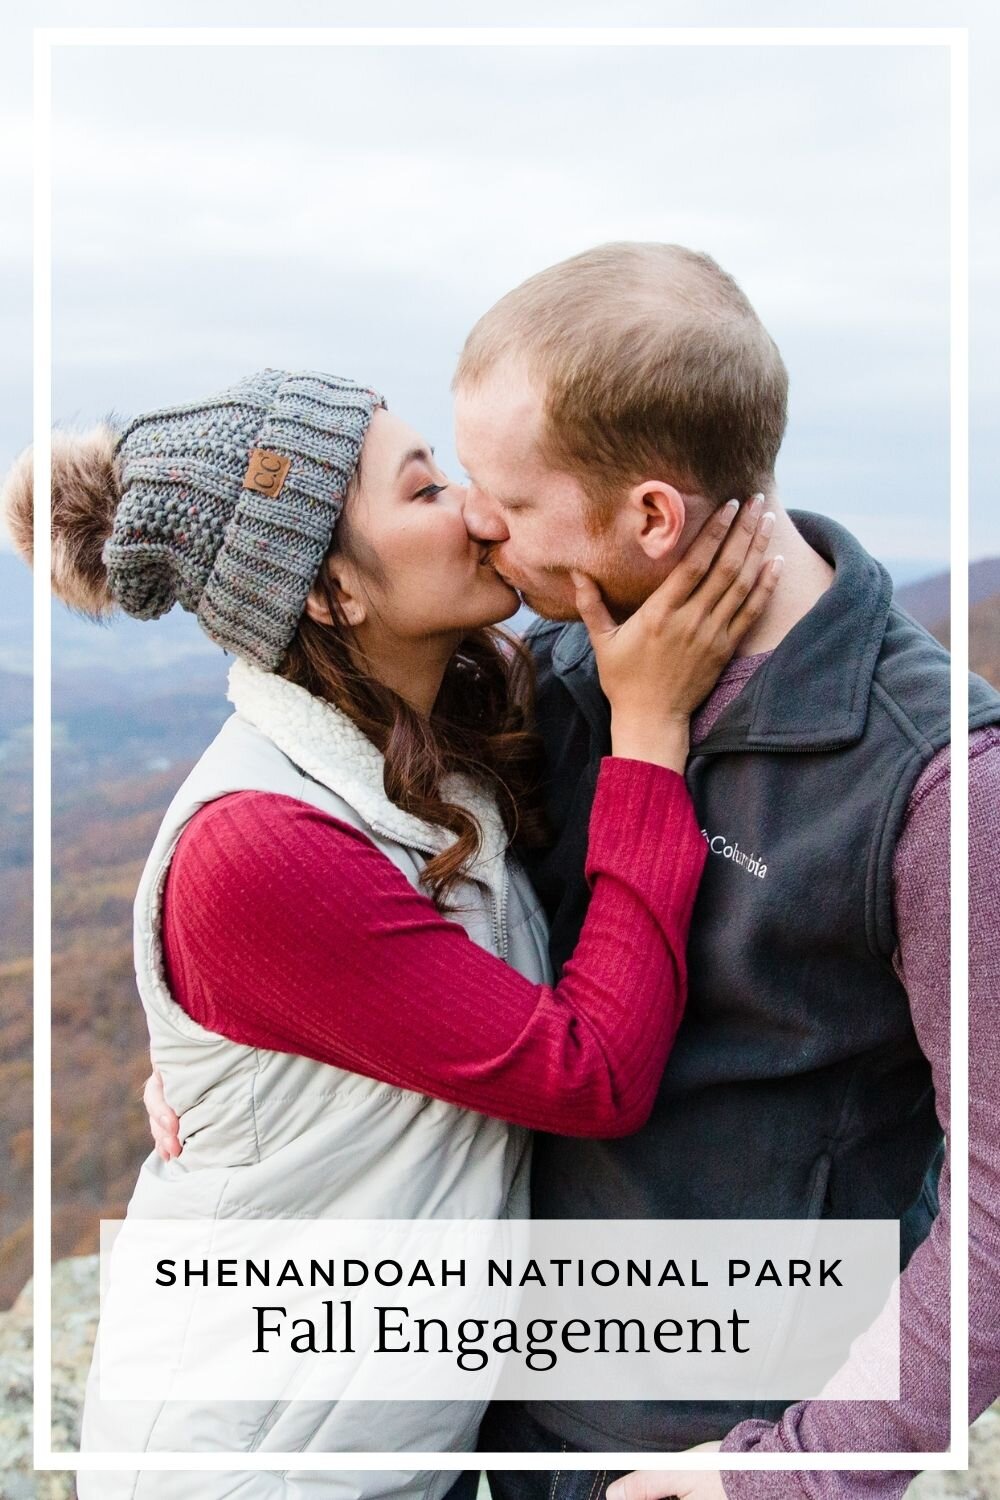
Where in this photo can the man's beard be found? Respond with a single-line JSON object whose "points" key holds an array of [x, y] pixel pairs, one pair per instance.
{"points": [[562, 607], [547, 607], [622, 591]]}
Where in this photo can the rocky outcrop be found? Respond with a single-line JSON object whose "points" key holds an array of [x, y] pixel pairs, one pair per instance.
{"points": [[981, 1481], [74, 1314]]}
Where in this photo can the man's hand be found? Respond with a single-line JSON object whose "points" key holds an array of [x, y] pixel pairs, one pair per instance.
{"points": [[163, 1123], [662, 1484]]}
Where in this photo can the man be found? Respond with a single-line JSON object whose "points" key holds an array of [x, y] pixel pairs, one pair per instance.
{"points": [[603, 408]]}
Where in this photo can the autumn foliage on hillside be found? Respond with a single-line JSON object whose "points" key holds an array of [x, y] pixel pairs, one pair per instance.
{"points": [[15, 1011], [99, 1044]]}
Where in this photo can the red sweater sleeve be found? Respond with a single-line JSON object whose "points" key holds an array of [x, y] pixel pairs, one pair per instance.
{"points": [[287, 929]]}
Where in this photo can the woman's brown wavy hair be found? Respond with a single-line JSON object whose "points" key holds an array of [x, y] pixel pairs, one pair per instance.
{"points": [[480, 724]]}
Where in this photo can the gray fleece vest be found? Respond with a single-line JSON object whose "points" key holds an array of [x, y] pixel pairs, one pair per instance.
{"points": [[796, 1087], [275, 1135]]}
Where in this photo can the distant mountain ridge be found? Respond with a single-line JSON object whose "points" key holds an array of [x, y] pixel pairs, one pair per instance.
{"points": [[133, 648], [929, 599], [78, 644], [984, 638], [126, 663]]}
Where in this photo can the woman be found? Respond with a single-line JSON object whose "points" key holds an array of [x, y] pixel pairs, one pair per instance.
{"points": [[333, 1043]]}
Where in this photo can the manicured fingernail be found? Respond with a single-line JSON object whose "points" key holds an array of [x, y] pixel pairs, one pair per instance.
{"points": [[729, 510], [767, 524], [777, 563], [756, 505]]}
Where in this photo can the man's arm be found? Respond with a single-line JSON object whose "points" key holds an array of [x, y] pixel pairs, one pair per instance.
{"points": [[919, 1420]]}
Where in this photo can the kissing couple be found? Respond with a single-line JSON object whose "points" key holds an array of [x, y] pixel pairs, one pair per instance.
{"points": [[634, 918]]}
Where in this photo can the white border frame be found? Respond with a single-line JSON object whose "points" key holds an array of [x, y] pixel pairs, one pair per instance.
{"points": [[955, 39]]}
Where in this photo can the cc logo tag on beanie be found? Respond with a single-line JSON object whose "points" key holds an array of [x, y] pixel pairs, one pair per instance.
{"points": [[266, 472]]}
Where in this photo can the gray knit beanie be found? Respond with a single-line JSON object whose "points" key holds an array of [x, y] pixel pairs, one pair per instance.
{"points": [[228, 505], [225, 506]]}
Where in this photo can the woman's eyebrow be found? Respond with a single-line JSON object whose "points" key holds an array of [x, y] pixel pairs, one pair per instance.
{"points": [[414, 453]]}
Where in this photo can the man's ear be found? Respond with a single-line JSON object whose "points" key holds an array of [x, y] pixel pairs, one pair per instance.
{"points": [[655, 513], [348, 601]]}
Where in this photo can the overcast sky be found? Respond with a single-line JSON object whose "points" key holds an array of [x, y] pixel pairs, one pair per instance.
{"points": [[354, 211]]}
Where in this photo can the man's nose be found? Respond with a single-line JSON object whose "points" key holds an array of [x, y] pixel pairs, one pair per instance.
{"points": [[483, 520]]}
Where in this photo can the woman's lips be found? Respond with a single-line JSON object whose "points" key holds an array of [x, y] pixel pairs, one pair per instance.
{"points": [[488, 560]]}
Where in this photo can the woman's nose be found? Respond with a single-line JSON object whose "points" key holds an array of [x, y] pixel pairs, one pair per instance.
{"points": [[483, 520]]}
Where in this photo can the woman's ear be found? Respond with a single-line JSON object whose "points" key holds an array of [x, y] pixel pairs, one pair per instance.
{"points": [[656, 512], [341, 588]]}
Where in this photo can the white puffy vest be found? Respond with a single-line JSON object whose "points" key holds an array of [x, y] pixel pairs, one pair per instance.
{"points": [[273, 1135]]}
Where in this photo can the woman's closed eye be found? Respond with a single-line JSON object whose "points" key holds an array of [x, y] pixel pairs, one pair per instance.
{"points": [[429, 491]]}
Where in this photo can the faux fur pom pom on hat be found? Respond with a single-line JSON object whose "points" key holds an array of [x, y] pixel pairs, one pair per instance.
{"points": [[85, 495], [225, 506]]}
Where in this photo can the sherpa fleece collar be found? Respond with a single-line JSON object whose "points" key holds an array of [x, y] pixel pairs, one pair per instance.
{"points": [[322, 741]]}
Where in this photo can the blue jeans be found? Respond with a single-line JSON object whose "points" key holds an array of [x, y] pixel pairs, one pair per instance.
{"points": [[507, 1428], [465, 1486], [559, 1484]]}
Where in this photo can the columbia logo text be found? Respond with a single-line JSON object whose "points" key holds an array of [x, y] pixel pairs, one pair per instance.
{"points": [[721, 844]]}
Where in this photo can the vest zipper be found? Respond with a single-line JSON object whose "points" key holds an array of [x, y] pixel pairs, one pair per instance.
{"points": [[498, 906], [498, 903]]}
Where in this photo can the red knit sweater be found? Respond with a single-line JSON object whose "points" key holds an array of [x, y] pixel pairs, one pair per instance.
{"points": [[287, 929]]}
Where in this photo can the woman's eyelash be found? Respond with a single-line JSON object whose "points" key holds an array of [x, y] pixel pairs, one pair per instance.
{"points": [[429, 490]]}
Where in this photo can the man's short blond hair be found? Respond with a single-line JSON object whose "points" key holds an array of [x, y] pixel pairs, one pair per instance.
{"points": [[653, 364]]}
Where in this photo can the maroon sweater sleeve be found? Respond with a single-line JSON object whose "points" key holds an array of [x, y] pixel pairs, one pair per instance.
{"points": [[287, 929], [919, 1420]]}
